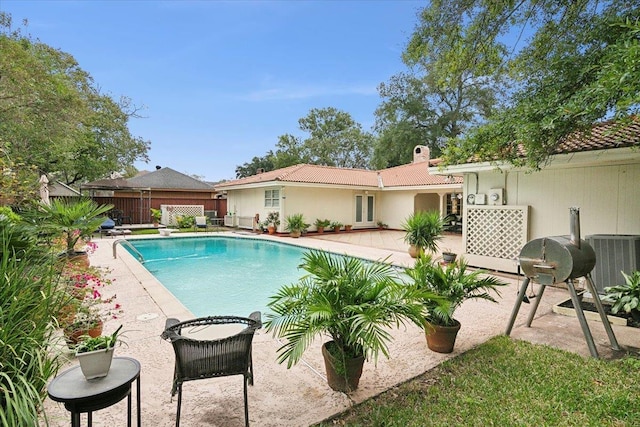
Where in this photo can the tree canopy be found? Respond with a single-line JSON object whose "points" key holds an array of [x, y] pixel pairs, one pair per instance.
{"points": [[451, 84], [53, 116], [335, 139], [581, 66], [487, 78]]}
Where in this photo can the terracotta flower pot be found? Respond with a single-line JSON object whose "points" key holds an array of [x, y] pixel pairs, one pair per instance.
{"points": [[346, 379], [73, 336], [79, 258], [414, 251], [441, 339]]}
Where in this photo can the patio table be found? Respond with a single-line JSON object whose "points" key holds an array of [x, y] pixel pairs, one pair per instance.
{"points": [[81, 395]]}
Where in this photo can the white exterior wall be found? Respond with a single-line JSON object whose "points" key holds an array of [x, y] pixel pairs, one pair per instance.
{"points": [[608, 197], [394, 207], [322, 203], [391, 207], [249, 202]]}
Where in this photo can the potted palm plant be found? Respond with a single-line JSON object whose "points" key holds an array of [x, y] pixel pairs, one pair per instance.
{"points": [[336, 225], [156, 216], [423, 230], [73, 220], [95, 354], [454, 285], [321, 224], [351, 301], [295, 225]]}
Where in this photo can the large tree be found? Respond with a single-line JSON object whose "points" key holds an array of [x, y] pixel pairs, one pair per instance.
{"points": [[335, 139], [581, 66], [451, 84], [487, 79], [256, 164], [53, 116]]}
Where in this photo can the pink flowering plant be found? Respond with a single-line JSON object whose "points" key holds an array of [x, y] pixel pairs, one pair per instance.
{"points": [[89, 297]]}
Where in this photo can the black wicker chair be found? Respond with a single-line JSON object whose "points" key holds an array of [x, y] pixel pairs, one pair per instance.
{"points": [[200, 359]]}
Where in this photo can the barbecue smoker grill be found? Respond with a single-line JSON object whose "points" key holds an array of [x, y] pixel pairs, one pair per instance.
{"points": [[560, 259]]}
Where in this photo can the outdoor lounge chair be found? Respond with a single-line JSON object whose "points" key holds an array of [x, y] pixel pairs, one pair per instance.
{"points": [[210, 356], [201, 222]]}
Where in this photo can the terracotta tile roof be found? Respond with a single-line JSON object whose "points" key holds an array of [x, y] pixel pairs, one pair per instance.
{"points": [[401, 176], [312, 174], [413, 174], [603, 135]]}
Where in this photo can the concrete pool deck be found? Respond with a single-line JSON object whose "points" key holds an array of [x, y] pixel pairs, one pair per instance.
{"points": [[300, 396]]}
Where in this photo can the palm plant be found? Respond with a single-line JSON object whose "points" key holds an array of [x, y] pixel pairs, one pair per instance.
{"points": [[73, 219], [423, 230], [295, 223], [352, 301], [453, 283]]}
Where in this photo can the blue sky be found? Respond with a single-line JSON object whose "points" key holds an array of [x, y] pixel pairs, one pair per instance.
{"points": [[221, 80]]}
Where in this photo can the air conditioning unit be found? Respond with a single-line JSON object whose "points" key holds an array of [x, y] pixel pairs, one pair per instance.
{"points": [[496, 196], [614, 253]]}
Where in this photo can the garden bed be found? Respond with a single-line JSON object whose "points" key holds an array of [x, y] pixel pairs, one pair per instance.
{"points": [[591, 313]]}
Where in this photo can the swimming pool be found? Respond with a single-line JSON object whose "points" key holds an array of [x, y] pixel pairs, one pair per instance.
{"points": [[221, 275]]}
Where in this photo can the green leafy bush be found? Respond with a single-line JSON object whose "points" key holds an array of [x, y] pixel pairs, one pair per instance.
{"points": [[186, 221], [28, 302], [625, 297]]}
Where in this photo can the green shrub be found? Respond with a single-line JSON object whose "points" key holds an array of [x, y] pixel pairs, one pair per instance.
{"points": [[186, 221], [28, 302]]}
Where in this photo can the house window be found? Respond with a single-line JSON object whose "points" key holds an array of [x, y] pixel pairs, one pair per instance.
{"points": [[271, 198]]}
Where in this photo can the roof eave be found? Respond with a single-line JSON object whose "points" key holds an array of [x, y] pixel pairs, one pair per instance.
{"points": [[608, 156]]}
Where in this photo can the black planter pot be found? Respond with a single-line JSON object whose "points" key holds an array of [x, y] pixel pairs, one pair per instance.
{"points": [[344, 380], [448, 257]]}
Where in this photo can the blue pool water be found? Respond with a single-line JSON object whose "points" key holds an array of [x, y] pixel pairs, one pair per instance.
{"points": [[221, 275]]}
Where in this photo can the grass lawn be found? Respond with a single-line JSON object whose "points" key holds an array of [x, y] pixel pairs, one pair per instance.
{"points": [[505, 382]]}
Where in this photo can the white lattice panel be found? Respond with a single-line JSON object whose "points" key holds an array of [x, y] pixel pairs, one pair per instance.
{"points": [[171, 212], [497, 232]]}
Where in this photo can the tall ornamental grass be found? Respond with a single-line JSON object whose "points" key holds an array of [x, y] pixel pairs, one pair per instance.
{"points": [[28, 302]]}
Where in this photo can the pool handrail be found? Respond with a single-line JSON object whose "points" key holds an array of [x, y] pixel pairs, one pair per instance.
{"points": [[128, 243]]}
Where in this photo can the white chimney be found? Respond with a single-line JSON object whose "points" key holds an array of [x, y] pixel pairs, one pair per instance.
{"points": [[420, 154]]}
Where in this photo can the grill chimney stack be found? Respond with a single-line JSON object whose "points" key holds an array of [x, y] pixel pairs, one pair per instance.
{"points": [[575, 226]]}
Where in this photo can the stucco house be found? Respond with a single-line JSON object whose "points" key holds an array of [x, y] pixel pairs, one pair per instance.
{"points": [[358, 197], [507, 206], [164, 188]]}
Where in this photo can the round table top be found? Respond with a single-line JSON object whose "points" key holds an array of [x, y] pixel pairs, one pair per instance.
{"points": [[72, 385]]}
